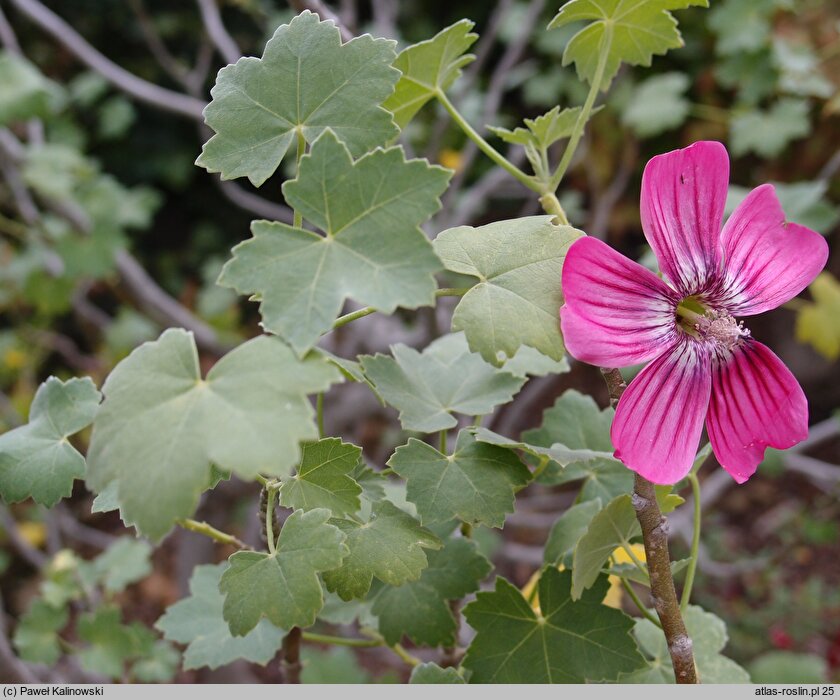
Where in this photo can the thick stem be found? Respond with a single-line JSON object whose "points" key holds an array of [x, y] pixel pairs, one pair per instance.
{"points": [[368, 310], [655, 535], [316, 638], [271, 493], [208, 530], [291, 656], [301, 150], [319, 409], [695, 542]]}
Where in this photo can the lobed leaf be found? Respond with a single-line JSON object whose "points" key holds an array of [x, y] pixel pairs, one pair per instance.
{"points": [[161, 426], [306, 82], [518, 297]]}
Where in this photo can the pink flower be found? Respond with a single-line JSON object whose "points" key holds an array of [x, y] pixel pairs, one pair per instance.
{"points": [[703, 363]]}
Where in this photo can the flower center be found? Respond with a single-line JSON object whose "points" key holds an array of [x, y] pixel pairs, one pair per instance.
{"points": [[712, 325]]}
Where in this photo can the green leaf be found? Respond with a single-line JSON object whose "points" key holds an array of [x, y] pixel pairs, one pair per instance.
{"points": [[159, 665], [110, 643], [568, 529], [123, 563], [420, 609], [708, 635], [634, 31], [338, 665], [373, 250], [36, 459], [817, 322], [518, 297], [569, 642], [324, 478], [428, 67], [658, 104], [306, 81], [36, 636], [558, 452], [788, 667], [743, 27], [577, 424], [803, 202], [431, 673], [161, 425], [389, 546], [197, 621], [283, 587], [529, 361], [612, 527], [445, 378], [767, 133], [544, 131], [24, 92], [476, 483]]}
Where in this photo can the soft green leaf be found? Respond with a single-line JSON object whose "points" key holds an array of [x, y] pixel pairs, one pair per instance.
{"points": [[568, 529], [742, 27], [708, 635], [161, 425], [529, 361], [420, 609], [36, 635], [753, 75], [197, 621], [323, 478], [389, 546], [558, 452], [24, 92], [544, 131], [110, 643], [428, 67], [36, 459], [338, 665], [373, 250], [658, 104], [788, 667], [306, 81], [634, 31], [476, 483], [568, 642], [431, 673], [445, 378], [804, 203], [159, 666], [518, 297], [123, 563], [612, 527], [818, 322], [283, 587], [799, 66], [768, 132]]}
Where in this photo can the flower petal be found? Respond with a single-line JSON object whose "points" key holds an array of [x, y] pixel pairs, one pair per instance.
{"points": [[766, 260], [756, 402], [659, 418], [683, 196], [617, 313]]}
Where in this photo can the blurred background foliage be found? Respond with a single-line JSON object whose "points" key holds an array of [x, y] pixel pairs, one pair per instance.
{"points": [[108, 233]]}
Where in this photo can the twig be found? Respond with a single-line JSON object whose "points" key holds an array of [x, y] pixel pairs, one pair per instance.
{"points": [[12, 669], [164, 99], [208, 530], [291, 656], [34, 557], [324, 12], [217, 32], [174, 68]]}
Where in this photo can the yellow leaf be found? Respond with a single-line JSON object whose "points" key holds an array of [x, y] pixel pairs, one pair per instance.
{"points": [[34, 533], [450, 158], [818, 323]]}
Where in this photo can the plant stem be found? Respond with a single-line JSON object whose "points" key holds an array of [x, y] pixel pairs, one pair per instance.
{"points": [[319, 409], [443, 441], [271, 493], [583, 117], [635, 598], [405, 656], [695, 542], [655, 536], [316, 638], [529, 182], [301, 149], [551, 205], [361, 313], [291, 656], [208, 530]]}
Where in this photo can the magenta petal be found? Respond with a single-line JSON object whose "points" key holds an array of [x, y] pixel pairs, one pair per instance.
{"points": [[659, 418], [766, 260], [683, 196], [617, 313], [756, 402]]}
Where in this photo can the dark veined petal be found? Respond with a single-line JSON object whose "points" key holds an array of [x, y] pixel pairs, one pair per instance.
{"points": [[767, 261], [683, 197], [617, 313], [659, 418], [756, 402]]}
